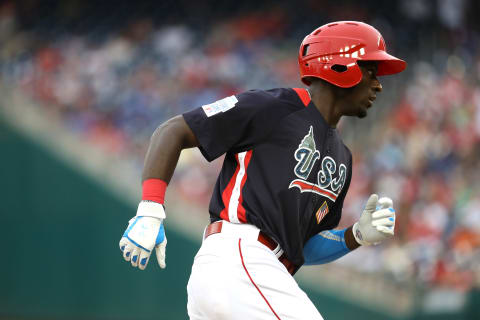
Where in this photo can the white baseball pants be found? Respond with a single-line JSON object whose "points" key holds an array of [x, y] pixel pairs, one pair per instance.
{"points": [[236, 277]]}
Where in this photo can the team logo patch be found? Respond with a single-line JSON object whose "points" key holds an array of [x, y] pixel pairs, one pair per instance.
{"points": [[220, 106], [330, 177], [321, 212]]}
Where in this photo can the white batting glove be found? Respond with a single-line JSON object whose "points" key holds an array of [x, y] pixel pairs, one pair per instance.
{"points": [[376, 223], [145, 231]]}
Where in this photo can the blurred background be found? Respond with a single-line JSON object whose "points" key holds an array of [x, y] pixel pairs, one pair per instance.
{"points": [[83, 85]]}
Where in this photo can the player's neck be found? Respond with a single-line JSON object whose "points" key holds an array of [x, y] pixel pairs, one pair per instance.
{"points": [[325, 102]]}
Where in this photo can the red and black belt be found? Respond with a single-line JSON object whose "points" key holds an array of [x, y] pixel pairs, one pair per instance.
{"points": [[263, 238]]}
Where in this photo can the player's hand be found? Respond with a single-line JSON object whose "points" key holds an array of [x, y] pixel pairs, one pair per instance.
{"points": [[376, 223], [145, 232]]}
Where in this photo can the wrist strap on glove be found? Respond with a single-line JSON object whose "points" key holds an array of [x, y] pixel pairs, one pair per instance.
{"points": [[358, 236], [150, 209]]}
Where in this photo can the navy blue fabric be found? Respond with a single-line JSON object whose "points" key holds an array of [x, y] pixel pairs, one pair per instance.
{"points": [[297, 160]]}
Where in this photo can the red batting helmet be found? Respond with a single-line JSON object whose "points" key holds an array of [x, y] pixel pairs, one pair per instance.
{"points": [[331, 53]]}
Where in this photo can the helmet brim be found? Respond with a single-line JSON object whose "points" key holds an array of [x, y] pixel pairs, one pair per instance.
{"points": [[387, 64]]}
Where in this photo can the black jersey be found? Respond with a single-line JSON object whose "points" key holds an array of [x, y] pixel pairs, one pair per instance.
{"points": [[285, 171]]}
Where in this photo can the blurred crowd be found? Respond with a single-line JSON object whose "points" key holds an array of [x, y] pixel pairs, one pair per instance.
{"points": [[424, 155], [115, 87]]}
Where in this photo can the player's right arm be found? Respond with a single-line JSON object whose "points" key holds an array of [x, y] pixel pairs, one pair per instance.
{"points": [[145, 231], [166, 143]]}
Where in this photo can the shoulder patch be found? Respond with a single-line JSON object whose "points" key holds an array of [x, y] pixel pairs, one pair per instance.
{"points": [[222, 105]]}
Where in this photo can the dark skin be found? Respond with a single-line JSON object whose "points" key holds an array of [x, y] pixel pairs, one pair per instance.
{"points": [[170, 138], [334, 102]]}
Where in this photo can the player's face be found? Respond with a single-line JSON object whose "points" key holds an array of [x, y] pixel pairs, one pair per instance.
{"points": [[360, 97]]}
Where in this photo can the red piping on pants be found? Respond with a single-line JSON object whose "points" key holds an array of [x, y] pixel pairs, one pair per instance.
{"points": [[251, 280]]}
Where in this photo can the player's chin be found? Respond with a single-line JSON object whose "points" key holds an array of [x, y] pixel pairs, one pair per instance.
{"points": [[362, 114], [362, 110]]}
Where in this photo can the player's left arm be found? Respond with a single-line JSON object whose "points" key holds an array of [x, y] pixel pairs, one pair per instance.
{"points": [[376, 224]]}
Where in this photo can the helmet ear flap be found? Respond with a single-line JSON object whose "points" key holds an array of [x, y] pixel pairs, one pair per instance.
{"points": [[344, 76]]}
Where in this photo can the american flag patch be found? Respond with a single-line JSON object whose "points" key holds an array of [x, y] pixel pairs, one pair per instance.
{"points": [[321, 212]]}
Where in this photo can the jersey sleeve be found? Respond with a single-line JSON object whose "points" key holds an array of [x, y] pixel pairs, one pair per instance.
{"points": [[235, 123]]}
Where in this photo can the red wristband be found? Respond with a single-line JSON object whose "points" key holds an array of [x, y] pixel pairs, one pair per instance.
{"points": [[154, 190]]}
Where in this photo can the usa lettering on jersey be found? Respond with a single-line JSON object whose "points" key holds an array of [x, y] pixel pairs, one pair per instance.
{"points": [[326, 185], [222, 105]]}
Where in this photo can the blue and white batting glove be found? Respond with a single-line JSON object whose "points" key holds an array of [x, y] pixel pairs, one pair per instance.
{"points": [[145, 231], [377, 222]]}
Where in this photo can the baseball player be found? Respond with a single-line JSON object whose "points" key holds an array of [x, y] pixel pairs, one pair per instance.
{"points": [[280, 192]]}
